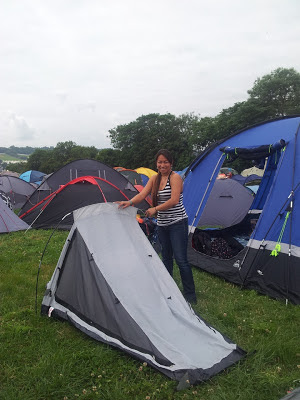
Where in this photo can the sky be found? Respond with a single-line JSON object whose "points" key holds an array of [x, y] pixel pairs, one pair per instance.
{"points": [[74, 69]]}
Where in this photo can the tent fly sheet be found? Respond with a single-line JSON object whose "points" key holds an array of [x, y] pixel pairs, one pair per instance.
{"points": [[113, 286]]}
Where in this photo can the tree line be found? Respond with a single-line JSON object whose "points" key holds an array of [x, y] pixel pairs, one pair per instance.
{"points": [[135, 144]]}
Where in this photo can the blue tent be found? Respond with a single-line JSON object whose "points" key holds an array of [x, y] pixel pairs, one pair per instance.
{"points": [[270, 261], [32, 176]]}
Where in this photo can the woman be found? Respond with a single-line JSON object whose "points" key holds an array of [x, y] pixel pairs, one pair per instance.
{"points": [[172, 224]]}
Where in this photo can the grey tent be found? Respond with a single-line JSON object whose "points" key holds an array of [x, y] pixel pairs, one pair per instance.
{"points": [[9, 221], [18, 190], [111, 284], [227, 205]]}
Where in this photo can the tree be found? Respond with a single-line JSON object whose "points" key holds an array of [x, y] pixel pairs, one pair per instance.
{"points": [[140, 140], [274, 95], [64, 152], [110, 157], [40, 160], [278, 93]]}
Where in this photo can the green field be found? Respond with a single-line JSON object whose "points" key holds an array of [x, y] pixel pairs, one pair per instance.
{"points": [[7, 158], [46, 359]]}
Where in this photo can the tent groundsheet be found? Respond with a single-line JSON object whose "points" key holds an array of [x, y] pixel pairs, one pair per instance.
{"points": [[111, 284]]}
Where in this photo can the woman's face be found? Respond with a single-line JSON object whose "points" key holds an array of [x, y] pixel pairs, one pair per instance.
{"points": [[163, 165]]}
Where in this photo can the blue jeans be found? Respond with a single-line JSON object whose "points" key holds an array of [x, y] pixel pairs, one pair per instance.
{"points": [[174, 240]]}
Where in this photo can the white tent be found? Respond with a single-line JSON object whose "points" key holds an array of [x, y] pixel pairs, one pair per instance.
{"points": [[111, 284]]}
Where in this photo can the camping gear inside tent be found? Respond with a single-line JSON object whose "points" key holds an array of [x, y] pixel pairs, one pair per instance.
{"points": [[32, 176], [113, 286], [253, 171], [226, 172], [77, 169], [18, 190], [9, 221], [227, 205], [78, 193], [145, 173], [269, 261]]}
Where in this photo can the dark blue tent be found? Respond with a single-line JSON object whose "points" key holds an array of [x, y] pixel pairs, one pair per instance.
{"points": [[244, 180], [270, 261]]}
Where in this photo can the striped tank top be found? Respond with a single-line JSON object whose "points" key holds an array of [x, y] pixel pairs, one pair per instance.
{"points": [[173, 214]]}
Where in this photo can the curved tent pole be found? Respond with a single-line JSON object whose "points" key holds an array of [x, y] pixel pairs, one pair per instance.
{"points": [[42, 209], [40, 264], [206, 190]]}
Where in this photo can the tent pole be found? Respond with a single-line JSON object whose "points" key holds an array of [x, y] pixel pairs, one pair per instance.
{"points": [[206, 190]]}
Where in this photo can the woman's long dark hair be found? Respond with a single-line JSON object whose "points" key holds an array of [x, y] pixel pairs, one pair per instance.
{"points": [[168, 155]]}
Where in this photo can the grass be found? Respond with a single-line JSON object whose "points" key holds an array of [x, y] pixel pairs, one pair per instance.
{"points": [[7, 158], [43, 358]]}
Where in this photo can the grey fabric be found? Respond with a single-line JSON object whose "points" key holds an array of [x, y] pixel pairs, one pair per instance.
{"points": [[137, 300], [17, 189], [227, 204], [9, 221], [83, 289]]}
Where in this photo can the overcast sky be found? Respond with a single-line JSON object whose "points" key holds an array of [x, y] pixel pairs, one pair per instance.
{"points": [[73, 69]]}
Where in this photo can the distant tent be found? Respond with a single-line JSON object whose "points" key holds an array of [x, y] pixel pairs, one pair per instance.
{"points": [[133, 176], [32, 176], [126, 298], [245, 180], [145, 173], [18, 190], [119, 168], [148, 198], [9, 173], [78, 193], [74, 170], [227, 205], [9, 221], [182, 172]]}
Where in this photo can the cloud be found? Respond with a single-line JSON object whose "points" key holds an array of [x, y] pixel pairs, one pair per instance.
{"points": [[75, 69], [15, 129], [90, 106], [61, 96]]}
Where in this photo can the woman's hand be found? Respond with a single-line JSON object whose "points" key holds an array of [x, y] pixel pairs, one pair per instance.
{"points": [[150, 212], [124, 204]]}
